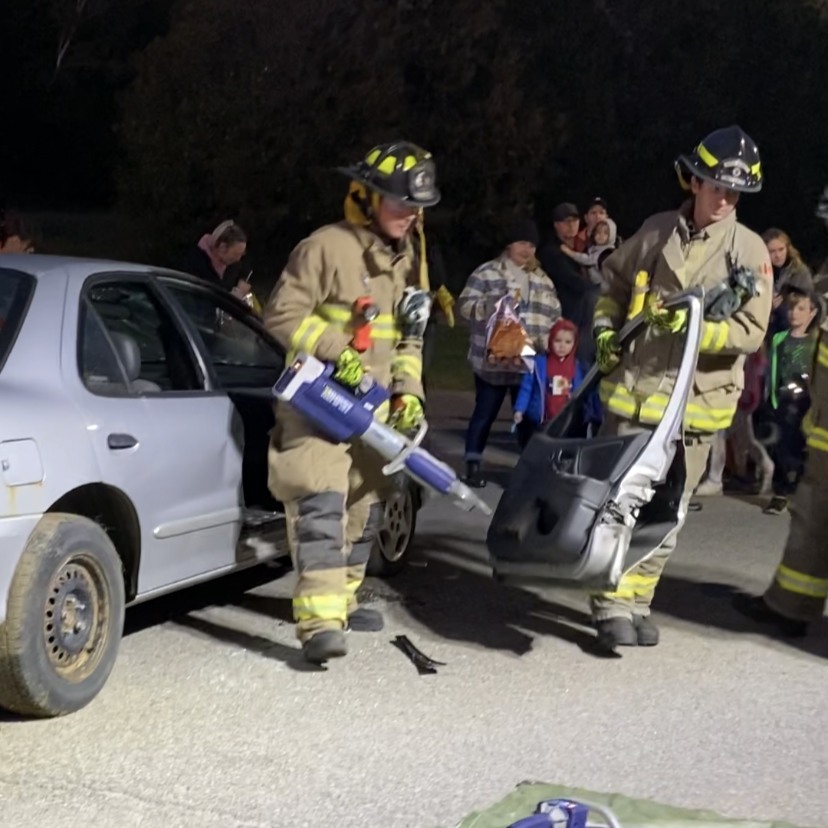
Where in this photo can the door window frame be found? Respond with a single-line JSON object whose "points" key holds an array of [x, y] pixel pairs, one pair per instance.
{"points": [[224, 301], [168, 306]]}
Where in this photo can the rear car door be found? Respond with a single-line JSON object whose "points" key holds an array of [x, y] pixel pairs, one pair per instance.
{"points": [[161, 434], [582, 512]]}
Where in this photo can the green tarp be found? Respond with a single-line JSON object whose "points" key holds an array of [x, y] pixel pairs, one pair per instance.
{"points": [[632, 813]]}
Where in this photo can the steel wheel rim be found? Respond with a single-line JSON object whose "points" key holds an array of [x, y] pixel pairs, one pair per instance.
{"points": [[76, 618], [397, 528]]}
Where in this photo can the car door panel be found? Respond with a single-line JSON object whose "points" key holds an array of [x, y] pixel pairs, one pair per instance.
{"points": [[244, 363], [182, 471], [581, 512]]}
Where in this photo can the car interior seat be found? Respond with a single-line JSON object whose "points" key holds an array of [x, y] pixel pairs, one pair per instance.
{"points": [[130, 355]]}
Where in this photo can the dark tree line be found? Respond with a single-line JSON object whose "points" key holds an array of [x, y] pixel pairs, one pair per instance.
{"points": [[199, 109]]}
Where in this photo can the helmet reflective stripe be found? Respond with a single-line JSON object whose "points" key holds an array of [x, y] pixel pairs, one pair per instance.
{"points": [[706, 156], [399, 170], [728, 157], [711, 160], [389, 163]]}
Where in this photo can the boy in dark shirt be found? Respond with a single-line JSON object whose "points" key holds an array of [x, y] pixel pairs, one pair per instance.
{"points": [[791, 358]]}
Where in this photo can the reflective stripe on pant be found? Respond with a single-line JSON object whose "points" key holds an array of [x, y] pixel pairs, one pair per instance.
{"points": [[637, 587], [800, 585], [328, 491], [316, 534]]}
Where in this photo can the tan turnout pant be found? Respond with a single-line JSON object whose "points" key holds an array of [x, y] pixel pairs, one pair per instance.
{"points": [[637, 587], [332, 494], [800, 585]]}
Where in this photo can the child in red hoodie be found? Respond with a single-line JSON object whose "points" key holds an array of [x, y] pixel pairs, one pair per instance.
{"points": [[557, 374]]}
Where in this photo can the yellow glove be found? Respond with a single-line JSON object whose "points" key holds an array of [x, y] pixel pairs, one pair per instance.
{"points": [[672, 321], [446, 302], [607, 350], [406, 412], [349, 370]]}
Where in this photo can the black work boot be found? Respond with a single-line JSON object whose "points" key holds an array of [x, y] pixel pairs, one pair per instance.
{"points": [[325, 645], [616, 632], [755, 608], [365, 620], [474, 477], [646, 630], [777, 506]]}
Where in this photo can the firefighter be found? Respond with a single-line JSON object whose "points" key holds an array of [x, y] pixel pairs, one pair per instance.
{"points": [[349, 278], [799, 588], [701, 244], [821, 277]]}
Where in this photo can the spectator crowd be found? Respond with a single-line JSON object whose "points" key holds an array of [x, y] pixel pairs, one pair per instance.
{"points": [[556, 284]]}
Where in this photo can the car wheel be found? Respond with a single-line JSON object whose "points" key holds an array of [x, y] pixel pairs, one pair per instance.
{"points": [[394, 539], [64, 619]]}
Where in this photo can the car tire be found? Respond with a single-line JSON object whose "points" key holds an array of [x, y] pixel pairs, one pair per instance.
{"points": [[64, 618], [393, 543]]}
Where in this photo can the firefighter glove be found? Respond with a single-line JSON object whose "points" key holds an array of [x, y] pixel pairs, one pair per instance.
{"points": [[723, 300], [446, 302], [664, 319], [607, 349], [349, 369], [406, 412]]}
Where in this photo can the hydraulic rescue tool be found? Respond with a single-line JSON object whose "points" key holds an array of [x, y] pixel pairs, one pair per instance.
{"points": [[345, 414], [566, 813]]}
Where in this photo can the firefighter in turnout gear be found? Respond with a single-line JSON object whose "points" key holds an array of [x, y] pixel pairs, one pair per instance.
{"points": [[799, 589], [343, 297], [700, 245]]}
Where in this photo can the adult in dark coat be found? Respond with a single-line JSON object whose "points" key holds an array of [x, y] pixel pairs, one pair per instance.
{"points": [[577, 294]]}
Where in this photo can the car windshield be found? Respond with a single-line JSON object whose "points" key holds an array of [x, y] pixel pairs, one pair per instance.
{"points": [[15, 290]]}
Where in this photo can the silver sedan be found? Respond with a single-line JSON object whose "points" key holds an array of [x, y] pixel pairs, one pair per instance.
{"points": [[135, 418]]}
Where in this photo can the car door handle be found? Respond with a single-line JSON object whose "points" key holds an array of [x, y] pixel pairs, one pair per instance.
{"points": [[121, 441]]}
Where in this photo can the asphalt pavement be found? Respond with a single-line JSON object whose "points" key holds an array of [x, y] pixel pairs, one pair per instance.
{"points": [[211, 718]]}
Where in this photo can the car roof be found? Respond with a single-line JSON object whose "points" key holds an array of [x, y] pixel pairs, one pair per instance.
{"points": [[72, 267]]}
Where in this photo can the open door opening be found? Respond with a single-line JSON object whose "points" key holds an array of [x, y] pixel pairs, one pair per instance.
{"points": [[581, 512]]}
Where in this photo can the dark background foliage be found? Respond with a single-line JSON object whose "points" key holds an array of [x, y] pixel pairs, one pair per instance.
{"points": [[178, 113]]}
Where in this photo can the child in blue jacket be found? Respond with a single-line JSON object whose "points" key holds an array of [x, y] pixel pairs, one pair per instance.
{"points": [[557, 373]]}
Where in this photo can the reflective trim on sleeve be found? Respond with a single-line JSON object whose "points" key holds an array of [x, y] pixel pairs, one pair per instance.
{"points": [[307, 334], [639, 294], [341, 317], [407, 365], [606, 311], [714, 337]]}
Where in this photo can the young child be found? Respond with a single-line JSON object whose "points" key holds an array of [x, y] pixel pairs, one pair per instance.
{"points": [[791, 358], [601, 244], [556, 374]]}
